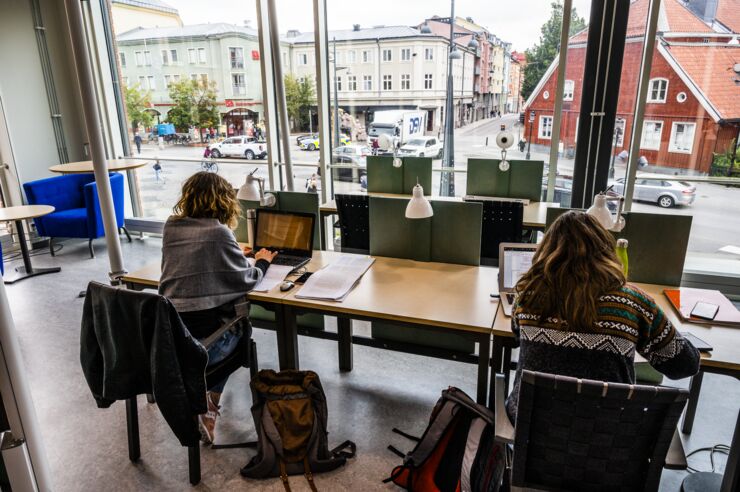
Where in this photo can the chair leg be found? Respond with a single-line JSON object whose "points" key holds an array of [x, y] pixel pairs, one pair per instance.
{"points": [[253, 365], [132, 425], [194, 464], [128, 236], [51, 246], [90, 247]]}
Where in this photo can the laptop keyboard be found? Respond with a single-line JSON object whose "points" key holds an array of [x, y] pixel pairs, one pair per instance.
{"points": [[288, 260]]}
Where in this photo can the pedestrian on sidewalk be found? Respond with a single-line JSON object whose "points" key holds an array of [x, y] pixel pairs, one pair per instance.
{"points": [[137, 142]]}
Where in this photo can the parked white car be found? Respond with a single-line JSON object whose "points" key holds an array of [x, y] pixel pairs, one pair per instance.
{"points": [[422, 147], [246, 147]]}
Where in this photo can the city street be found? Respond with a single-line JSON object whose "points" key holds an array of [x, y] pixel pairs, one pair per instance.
{"points": [[716, 210]]}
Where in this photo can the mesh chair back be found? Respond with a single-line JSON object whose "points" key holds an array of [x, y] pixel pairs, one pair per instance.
{"points": [[502, 223], [576, 434], [354, 222]]}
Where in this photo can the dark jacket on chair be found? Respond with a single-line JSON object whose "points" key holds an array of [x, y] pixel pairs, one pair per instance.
{"points": [[133, 343]]}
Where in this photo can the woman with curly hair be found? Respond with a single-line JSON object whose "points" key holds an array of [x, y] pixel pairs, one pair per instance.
{"points": [[204, 271]]}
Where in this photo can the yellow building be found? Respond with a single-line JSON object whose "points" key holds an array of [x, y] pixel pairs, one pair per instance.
{"points": [[130, 14]]}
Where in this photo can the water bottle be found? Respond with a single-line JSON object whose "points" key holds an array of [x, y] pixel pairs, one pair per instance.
{"points": [[622, 254]]}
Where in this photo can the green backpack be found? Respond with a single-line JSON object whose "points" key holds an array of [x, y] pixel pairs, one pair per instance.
{"points": [[290, 416]]}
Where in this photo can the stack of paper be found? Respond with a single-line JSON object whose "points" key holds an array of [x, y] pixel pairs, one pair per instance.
{"points": [[336, 280], [274, 276]]}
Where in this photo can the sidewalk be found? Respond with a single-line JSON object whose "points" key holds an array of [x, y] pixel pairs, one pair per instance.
{"points": [[471, 127]]}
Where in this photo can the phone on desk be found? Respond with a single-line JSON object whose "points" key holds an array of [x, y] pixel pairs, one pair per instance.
{"points": [[705, 310], [302, 279], [697, 342]]}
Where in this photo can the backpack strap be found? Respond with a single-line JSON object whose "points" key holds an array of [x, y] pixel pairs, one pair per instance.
{"points": [[396, 451], [307, 473], [339, 451], [284, 475], [407, 436]]}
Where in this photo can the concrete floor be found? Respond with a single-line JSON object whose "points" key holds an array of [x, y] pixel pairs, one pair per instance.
{"points": [[87, 448]]}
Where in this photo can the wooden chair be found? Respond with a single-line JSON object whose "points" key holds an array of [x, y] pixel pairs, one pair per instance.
{"points": [[354, 222], [578, 434]]}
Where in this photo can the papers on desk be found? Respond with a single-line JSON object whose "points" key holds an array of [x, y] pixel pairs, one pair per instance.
{"points": [[336, 280], [273, 277], [478, 198]]}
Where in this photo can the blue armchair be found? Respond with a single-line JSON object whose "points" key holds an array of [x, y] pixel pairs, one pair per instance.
{"points": [[77, 208]]}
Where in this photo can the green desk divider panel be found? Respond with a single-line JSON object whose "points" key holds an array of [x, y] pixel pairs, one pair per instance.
{"points": [[382, 177], [286, 201], [657, 245], [310, 320], [522, 180], [451, 235]]}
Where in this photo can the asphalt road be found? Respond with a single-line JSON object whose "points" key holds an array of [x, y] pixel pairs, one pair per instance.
{"points": [[716, 210]]}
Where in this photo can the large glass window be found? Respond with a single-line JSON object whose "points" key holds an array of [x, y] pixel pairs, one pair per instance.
{"points": [[236, 57]]}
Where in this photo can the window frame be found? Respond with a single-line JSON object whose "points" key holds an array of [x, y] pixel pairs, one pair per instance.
{"points": [[428, 54], [367, 82], [234, 86], [650, 99], [352, 83], [234, 60], [192, 56], [645, 124], [428, 81], [202, 60], [406, 81], [406, 54], [122, 59], [568, 94], [671, 144], [387, 54], [541, 125], [387, 82]]}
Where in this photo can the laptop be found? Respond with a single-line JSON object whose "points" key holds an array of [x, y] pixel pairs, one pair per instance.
{"points": [[288, 233], [514, 260]]}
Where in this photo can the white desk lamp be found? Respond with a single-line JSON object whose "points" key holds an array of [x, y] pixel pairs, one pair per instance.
{"points": [[253, 190], [418, 207], [601, 212], [387, 143]]}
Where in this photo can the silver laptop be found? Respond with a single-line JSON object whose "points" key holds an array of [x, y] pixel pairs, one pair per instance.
{"points": [[514, 259]]}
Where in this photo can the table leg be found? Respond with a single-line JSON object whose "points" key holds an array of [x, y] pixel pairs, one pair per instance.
{"points": [[287, 337], [27, 269], [322, 230], [690, 412], [344, 330], [484, 361], [496, 359]]}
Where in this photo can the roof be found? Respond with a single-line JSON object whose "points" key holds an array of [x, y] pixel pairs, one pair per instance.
{"points": [[707, 71], [219, 29], [728, 13], [674, 17], [381, 32], [150, 4]]}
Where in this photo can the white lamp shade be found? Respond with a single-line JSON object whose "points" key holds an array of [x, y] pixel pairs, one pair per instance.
{"points": [[250, 190], [600, 212], [418, 207]]}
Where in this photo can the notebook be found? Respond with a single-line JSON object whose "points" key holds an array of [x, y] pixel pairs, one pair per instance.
{"points": [[684, 300]]}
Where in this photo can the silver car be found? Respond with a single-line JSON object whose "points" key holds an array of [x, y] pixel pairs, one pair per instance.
{"points": [[664, 193]]}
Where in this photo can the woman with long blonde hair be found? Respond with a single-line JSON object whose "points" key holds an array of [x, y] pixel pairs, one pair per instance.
{"points": [[576, 315], [204, 271]]}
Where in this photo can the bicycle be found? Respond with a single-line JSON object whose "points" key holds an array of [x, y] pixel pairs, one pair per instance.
{"points": [[209, 166]]}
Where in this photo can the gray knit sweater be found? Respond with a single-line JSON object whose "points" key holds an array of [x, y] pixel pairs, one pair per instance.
{"points": [[203, 266]]}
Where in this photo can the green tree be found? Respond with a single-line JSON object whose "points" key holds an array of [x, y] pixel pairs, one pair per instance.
{"points": [[299, 97], [206, 108], [182, 95], [137, 103], [541, 55]]}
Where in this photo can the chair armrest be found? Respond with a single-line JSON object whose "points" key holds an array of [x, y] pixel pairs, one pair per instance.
{"points": [[504, 429], [242, 312], [676, 457]]}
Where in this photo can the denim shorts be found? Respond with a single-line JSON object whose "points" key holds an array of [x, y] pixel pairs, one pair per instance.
{"points": [[224, 346]]}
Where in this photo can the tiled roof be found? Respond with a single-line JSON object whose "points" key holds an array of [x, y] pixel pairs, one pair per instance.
{"points": [[728, 13], [383, 32], [191, 31], [681, 19], [149, 4], [710, 69]]}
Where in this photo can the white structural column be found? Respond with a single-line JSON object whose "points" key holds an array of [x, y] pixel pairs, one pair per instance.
{"points": [[268, 81], [279, 86], [94, 129], [321, 44]]}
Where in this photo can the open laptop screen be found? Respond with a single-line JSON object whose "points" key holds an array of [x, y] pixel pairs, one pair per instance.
{"points": [[516, 262], [284, 231]]}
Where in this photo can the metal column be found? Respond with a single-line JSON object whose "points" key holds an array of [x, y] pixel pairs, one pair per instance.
{"points": [[321, 42], [94, 134], [268, 80]]}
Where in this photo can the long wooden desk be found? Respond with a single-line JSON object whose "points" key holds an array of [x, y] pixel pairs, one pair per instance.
{"points": [[436, 296]]}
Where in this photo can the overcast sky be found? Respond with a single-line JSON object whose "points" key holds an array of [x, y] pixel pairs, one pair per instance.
{"points": [[516, 21]]}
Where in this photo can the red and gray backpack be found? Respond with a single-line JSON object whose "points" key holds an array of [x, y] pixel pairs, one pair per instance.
{"points": [[456, 452]]}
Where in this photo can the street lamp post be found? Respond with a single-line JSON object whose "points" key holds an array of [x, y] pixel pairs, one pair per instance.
{"points": [[447, 182], [617, 133], [336, 99], [529, 140]]}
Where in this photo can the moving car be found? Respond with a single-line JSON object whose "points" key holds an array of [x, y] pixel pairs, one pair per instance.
{"points": [[246, 147], [422, 147], [353, 150], [314, 144], [664, 193], [310, 136]]}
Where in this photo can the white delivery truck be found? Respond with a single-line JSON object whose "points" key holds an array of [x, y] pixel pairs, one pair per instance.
{"points": [[401, 125]]}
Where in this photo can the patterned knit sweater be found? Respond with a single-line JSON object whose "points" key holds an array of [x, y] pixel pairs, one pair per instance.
{"points": [[628, 321]]}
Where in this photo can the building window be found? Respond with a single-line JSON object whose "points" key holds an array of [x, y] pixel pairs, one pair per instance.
{"points": [[367, 56], [427, 80], [152, 84], [139, 57], [405, 54], [429, 54], [387, 82], [367, 82], [302, 59], [568, 90], [125, 81], [545, 129], [192, 56], [173, 56], [658, 91], [238, 84], [405, 81], [387, 55], [148, 58], [201, 55], [122, 57], [339, 83], [351, 82], [682, 138], [351, 56], [651, 133], [167, 80], [201, 78], [142, 82], [236, 56], [165, 57], [619, 128]]}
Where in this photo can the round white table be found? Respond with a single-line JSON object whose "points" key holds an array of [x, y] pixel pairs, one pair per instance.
{"points": [[18, 215], [83, 167]]}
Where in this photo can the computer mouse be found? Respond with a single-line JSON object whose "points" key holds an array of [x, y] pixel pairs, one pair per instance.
{"points": [[286, 286]]}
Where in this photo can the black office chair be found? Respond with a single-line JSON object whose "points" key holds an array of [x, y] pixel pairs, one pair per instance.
{"points": [[244, 356], [502, 223], [354, 223], [578, 434]]}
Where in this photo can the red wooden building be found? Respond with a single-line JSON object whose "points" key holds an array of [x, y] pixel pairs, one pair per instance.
{"points": [[693, 103]]}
